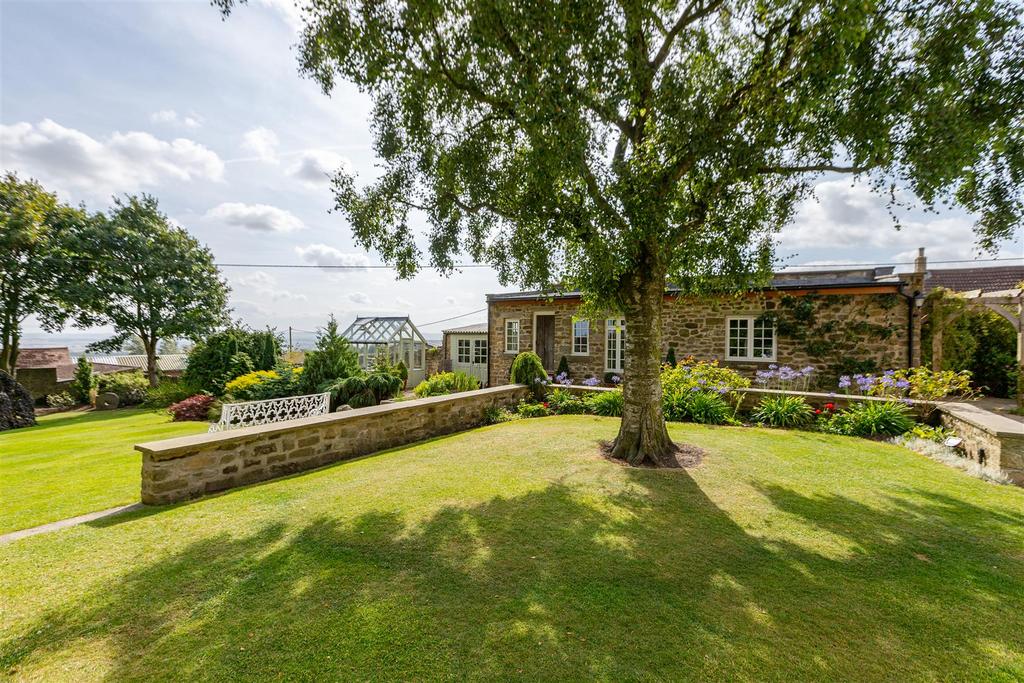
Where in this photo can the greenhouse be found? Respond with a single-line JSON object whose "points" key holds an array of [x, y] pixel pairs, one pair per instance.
{"points": [[395, 336]]}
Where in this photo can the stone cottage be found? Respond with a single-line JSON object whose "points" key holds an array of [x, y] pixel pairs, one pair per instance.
{"points": [[837, 321]]}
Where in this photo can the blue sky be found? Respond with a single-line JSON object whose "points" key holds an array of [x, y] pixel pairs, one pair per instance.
{"points": [[212, 117]]}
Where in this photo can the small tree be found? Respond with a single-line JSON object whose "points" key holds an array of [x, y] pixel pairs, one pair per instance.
{"points": [[563, 366], [332, 359], [84, 382], [148, 279], [670, 358], [35, 270], [229, 353], [613, 147]]}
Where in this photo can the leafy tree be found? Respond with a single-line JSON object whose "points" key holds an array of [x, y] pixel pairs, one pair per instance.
{"points": [[84, 381], [230, 353], [34, 265], [148, 279], [333, 359], [614, 146]]}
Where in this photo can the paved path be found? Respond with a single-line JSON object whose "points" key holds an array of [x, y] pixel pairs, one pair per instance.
{"points": [[1000, 406], [69, 522]]}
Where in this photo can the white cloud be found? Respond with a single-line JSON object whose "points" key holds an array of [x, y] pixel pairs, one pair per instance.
{"points": [[451, 300], [258, 217], [403, 303], [265, 287], [316, 166], [359, 298], [170, 116], [323, 255], [846, 215], [288, 10], [262, 143], [122, 162]]}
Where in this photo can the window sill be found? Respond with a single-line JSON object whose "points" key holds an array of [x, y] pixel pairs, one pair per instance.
{"points": [[750, 360], [579, 355]]}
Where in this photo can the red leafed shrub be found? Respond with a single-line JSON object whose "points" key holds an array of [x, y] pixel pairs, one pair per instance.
{"points": [[194, 408]]}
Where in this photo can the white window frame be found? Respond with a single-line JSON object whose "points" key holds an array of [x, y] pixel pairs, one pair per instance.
{"points": [[584, 348], [615, 335], [748, 354], [480, 351], [461, 345], [512, 338]]}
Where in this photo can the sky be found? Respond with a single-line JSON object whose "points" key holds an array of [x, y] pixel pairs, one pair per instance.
{"points": [[213, 118]]}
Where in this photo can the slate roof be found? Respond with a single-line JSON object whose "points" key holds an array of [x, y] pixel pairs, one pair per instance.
{"points": [[992, 279], [167, 362]]}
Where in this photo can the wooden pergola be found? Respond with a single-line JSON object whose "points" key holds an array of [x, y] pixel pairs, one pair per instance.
{"points": [[1009, 303]]}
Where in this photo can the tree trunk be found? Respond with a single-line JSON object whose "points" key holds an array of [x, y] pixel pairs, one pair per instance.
{"points": [[643, 437], [151, 373]]}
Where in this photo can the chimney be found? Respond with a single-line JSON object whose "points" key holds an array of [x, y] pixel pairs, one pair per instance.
{"points": [[921, 262]]}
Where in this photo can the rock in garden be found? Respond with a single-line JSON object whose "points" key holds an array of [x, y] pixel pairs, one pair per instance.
{"points": [[342, 408], [16, 408], [107, 401]]}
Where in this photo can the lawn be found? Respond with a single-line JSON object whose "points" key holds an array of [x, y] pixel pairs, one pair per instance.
{"points": [[517, 552], [78, 462]]}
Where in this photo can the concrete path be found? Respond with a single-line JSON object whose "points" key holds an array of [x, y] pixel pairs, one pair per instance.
{"points": [[69, 522], [1000, 406]]}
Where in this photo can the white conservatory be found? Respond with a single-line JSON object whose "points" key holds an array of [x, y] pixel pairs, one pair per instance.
{"points": [[396, 336]]}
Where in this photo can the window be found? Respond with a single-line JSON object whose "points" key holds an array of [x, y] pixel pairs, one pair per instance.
{"points": [[615, 352], [751, 338], [511, 336], [463, 355], [479, 350], [581, 337]]}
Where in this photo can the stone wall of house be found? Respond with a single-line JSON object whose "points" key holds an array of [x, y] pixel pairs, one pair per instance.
{"points": [[40, 382], [847, 327], [193, 466]]}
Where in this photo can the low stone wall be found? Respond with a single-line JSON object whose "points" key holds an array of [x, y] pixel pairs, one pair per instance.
{"points": [[991, 440], [189, 467]]}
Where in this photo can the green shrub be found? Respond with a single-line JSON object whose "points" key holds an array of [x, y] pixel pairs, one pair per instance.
{"points": [[62, 401], [704, 376], [446, 383], [528, 369], [495, 415], [870, 418], [167, 393], [562, 402], [783, 411], [362, 391], [670, 357], [936, 434], [402, 372], [131, 387], [563, 366], [605, 403], [526, 409], [704, 407], [333, 359], [230, 353], [84, 381]]}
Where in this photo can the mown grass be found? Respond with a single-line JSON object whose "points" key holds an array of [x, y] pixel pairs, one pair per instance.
{"points": [[76, 462], [517, 552]]}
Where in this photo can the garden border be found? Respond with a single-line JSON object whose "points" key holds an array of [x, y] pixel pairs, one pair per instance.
{"points": [[993, 441]]}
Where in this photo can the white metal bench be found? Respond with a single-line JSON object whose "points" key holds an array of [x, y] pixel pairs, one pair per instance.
{"points": [[252, 413]]}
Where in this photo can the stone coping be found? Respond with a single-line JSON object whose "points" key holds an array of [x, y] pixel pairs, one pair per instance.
{"points": [[986, 420], [169, 449]]}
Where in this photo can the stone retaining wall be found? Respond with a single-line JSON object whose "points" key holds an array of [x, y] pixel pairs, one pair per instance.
{"points": [[189, 467]]}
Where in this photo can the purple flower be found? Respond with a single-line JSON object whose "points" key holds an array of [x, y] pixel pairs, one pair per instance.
{"points": [[616, 379], [844, 382], [694, 388], [902, 384], [808, 370], [591, 382]]}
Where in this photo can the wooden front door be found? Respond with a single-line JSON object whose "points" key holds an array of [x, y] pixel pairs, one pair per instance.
{"points": [[544, 341]]}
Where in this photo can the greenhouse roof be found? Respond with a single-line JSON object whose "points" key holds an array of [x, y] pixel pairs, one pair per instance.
{"points": [[381, 330]]}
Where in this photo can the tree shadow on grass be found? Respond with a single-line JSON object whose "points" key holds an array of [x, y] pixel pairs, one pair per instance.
{"points": [[650, 581]]}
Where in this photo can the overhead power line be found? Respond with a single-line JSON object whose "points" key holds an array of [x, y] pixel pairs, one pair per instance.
{"points": [[454, 317]]}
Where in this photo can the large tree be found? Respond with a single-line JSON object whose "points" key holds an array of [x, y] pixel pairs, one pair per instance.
{"points": [[615, 146], [147, 279], [35, 269]]}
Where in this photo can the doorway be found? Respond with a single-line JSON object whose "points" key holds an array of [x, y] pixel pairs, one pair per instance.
{"points": [[544, 340]]}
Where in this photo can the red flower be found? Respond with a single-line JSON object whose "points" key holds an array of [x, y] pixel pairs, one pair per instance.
{"points": [[830, 406], [817, 411], [544, 404]]}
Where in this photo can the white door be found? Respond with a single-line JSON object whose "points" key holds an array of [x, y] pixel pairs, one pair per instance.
{"points": [[469, 355]]}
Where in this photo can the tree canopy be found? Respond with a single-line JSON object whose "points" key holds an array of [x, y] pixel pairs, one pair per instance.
{"points": [[609, 146], [35, 271], [146, 279]]}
